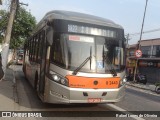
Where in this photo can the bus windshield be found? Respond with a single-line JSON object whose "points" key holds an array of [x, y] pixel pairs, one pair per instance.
{"points": [[70, 51]]}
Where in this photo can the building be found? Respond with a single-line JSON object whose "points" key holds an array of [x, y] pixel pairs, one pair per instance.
{"points": [[149, 63], [131, 60]]}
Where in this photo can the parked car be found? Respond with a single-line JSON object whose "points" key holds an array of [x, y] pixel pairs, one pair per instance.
{"points": [[19, 59], [140, 78]]}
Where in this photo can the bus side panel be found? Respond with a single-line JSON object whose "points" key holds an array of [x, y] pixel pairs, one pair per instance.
{"points": [[30, 71]]}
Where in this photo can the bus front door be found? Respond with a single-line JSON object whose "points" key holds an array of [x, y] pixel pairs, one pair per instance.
{"points": [[41, 84]]}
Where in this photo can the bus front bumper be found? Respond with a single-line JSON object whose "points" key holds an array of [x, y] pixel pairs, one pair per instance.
{"points": [[56, 93]]}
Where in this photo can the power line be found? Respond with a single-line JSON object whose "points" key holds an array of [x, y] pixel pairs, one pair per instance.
{"points": [[149, 31]]}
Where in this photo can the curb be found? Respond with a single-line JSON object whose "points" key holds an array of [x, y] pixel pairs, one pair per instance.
{"points": [[138, 86]]}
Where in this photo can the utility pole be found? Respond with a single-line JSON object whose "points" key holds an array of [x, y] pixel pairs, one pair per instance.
{"points": [[127, 39], [5, 47], [139, 45]]}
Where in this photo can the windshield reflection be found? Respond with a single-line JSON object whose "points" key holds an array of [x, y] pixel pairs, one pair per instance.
{"points": [[74, 49]]}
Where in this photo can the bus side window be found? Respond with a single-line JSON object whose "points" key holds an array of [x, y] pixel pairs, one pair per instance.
{"points": [[33, 48], [41, 43], [30, 49], [37, 47]]}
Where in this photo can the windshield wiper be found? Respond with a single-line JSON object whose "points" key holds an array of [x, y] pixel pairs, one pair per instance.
{"points": [[85, 61], [105, 58]]}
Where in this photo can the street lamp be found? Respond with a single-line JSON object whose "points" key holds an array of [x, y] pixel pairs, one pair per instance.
{"points": [[135, 71]]}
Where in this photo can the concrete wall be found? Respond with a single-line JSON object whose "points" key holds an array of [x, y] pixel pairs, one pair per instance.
{"points": [[152, 73], [10, 54]]}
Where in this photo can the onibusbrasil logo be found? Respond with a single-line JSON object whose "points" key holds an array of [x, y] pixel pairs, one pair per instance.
{"points": [[21, 114]]}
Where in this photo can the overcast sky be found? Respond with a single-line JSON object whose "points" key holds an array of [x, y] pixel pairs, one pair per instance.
{"points": [[127, 13]]}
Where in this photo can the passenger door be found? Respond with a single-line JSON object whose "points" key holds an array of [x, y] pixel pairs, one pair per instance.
{"points": [[42, 63]]}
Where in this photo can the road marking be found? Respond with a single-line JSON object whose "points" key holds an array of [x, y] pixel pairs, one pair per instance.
{"points": [[123, 110]]}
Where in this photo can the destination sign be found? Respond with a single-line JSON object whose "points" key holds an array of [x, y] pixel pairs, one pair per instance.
{"points": [[91, 30], [81, 38]]}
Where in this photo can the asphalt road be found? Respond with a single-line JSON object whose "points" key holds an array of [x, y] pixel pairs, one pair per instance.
{"points": [[139, 100], [134, 100]]}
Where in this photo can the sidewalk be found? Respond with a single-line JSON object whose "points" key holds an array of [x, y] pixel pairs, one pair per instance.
{"points": [[148, 86], [7, 92]]}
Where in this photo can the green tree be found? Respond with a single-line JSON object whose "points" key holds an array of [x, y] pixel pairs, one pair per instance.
{"points": [[23, 25], [3, 23]]}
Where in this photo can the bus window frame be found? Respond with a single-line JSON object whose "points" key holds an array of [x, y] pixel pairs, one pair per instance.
{"points": [[34, 47]]}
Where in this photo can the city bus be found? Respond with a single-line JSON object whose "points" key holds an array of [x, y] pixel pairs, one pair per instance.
{"points": [[74, 57]]}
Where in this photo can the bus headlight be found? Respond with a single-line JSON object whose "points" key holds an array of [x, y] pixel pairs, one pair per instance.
{"points": [[58, 78], [123, 81], [63, 81]]}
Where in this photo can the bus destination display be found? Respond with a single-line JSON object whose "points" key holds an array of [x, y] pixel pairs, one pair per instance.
{"points": [[91, 31]]}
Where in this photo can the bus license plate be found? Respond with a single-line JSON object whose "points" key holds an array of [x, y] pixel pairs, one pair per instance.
{"points": [[94, 100]]}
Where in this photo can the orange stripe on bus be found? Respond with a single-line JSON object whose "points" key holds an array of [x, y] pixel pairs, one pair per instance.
{"points": [[94, 83]]}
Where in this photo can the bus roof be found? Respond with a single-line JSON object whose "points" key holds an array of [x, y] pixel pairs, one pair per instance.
{"points": [[80, 17]]}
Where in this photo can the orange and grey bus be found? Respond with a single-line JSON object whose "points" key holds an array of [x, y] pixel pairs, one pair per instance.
{"points": [[76, 58]]}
